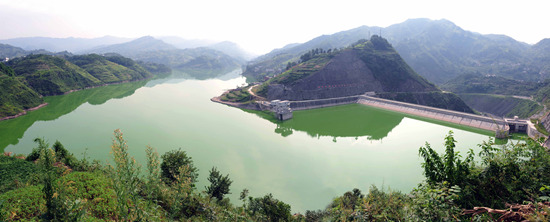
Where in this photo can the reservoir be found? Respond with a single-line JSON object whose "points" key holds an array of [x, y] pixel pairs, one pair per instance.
{"points": [[305, 161]]}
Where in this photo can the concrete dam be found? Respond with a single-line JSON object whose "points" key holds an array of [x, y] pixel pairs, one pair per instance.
{"points": [[501, 127]]}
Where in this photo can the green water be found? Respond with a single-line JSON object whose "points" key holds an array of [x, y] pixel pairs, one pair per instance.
{"points": [[306, 161]]}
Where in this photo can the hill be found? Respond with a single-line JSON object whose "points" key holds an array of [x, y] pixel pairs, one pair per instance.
{"points": [[539, 57], [26, 79], [500, 96], [15, 96], [9, 51], [70, 44], [110, 69], [438, 50], [233, 50], [501, 106], [131, 48], [367, 65], [275, 61], [202, 61], [182, 43], [491, 84], [51, 75]]}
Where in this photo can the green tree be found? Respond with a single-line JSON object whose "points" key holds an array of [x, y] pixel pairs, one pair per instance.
{"points": [[60, 151], [35, 153], [448, 167], [219, 184], [271, 208], [171, 163]]}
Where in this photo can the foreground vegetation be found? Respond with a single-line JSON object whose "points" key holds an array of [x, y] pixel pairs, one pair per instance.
{"points": [[51, 184]]}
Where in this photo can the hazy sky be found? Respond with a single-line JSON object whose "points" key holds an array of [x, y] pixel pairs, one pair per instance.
{"points": [[258, 25]]}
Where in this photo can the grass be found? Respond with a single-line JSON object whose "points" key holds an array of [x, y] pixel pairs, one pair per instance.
{"points": [[240, 95], [540, 127]]}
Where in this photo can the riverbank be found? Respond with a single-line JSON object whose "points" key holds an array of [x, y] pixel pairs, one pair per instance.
{"points": [[250, 105], [69, 92], [24, 112]]}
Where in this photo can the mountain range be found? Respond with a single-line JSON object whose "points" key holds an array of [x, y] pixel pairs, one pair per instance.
{"points": [[107, 44], [436, 49]]}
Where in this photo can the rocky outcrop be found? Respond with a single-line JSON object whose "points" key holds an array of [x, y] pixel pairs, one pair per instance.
{"points": [[344, 75]]}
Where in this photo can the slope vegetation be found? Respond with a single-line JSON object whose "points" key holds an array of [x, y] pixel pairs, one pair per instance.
{"points": [[25, 80], [14, 95], [50, 75]]}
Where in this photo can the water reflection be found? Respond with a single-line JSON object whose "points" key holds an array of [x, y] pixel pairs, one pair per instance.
{"points": [[14, 129], [372, 123], [178, 76]]}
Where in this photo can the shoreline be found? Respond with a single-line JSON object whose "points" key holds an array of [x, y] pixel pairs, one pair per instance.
{"points": [[252, 105], [24, 112], [65, 93]]}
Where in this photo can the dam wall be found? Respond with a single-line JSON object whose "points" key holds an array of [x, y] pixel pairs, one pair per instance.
{"points": [[466, 119], [320, 103]]}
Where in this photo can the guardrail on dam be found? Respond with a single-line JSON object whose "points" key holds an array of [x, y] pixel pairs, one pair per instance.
{"points": [[466, 119]]}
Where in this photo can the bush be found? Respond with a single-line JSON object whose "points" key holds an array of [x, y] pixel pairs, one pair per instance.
{"points": [[15, 173], [35, 153], [94, 190], [171, 163], [23, 203], [269, 208]]}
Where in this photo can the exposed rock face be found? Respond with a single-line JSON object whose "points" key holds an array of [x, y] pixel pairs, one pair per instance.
{"points": [[344, 75], [367, 66]]}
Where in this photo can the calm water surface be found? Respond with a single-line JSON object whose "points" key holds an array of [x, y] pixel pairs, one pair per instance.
{"points": [[306, 161]]}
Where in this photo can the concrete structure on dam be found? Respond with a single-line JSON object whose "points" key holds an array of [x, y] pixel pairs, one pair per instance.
{"points": [[501, 126]]}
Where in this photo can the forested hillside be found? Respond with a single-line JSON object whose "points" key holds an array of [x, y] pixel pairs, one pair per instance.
{"points": [[26, 79], [14, 95]]}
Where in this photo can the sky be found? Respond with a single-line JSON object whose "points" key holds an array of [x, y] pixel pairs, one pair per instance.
{"points": [[259, 26]]}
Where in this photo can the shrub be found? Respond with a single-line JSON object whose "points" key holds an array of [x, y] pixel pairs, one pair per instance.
{"points": [[219, 184], [23, 203], [125, 179], [35, 153], [15, 173], [269, 208], [171, 163], [95, 191]]}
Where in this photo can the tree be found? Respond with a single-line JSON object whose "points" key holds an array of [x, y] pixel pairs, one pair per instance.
{"points": [[273, 209], [219, 185], [448, 167], [171, 163], [35, 154], [60, 151]]}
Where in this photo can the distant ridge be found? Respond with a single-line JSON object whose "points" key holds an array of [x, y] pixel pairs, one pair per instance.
{"points": [[71, 44], [436, 49]]}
